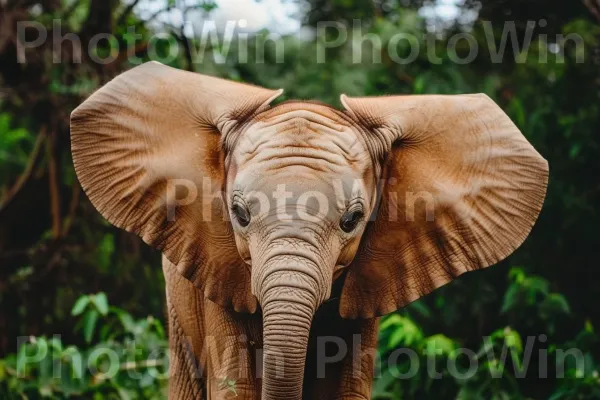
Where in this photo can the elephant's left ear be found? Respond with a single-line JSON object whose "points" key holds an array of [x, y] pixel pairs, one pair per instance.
{"points": [[148, 151], [461, 190]]}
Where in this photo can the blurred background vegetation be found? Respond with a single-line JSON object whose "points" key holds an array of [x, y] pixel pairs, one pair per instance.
{"points": [[65, 271]]}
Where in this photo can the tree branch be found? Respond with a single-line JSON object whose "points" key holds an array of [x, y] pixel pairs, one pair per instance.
{"points": [[34, 159], [594, 7], [68, 221], [53, 188], [69, 11], [126, 12]]}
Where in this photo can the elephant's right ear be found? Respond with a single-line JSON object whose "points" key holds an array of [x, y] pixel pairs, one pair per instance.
{"points": [[146, 135], [461, 190]]}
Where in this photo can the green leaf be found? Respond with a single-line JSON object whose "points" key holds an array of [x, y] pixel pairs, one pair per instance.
{"points": [[537, 284], [405, 331], [511, 298], [516, 274], [45, 391], [574, 151], [557, 302], [89, 324], [124, 394], [389, 321], [105, 251], [101, 303], [80, 305], [419, 85], [228, 384], [517, 111], [126, 320], [441, 342], [396, 338], [513, 339]]}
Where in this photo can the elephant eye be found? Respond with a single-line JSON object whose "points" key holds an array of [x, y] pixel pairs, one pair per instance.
{"points": [[350, 220], [241, 214]]}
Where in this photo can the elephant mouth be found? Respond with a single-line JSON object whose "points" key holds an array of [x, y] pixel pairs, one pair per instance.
{"points": [[338, 270]]}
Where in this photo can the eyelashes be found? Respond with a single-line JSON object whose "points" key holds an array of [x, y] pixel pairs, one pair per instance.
{"points": [[350, 219], [242, 214]]}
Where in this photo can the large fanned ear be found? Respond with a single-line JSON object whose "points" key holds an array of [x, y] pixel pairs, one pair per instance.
{"points": [[461, 189], [147, 151]]}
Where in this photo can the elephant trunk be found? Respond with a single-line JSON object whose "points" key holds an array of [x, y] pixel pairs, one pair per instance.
{"points": [[286, 326], [289, 294]]}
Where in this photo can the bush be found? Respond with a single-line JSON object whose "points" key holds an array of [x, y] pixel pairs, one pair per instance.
{"points": [[428, 364], [123, 358]]}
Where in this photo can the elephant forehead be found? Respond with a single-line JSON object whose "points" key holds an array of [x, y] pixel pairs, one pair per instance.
{"points": [[301, 137]]}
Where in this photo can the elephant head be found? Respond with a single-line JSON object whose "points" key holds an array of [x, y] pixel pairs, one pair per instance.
{"points": [[261, 205]]}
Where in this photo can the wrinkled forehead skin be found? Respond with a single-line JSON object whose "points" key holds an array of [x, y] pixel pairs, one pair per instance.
{"points": [[305, 146]]}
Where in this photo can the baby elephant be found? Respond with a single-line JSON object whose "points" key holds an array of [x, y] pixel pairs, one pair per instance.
{"points": [[287, 230]]}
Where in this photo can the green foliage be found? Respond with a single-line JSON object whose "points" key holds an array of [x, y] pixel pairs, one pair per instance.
{"points": [[439, 365], [530, 296], [128, 359], [15, 145]]}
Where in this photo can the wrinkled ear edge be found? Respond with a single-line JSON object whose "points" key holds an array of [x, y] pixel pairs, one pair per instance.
{"points": [[268, 102]]}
